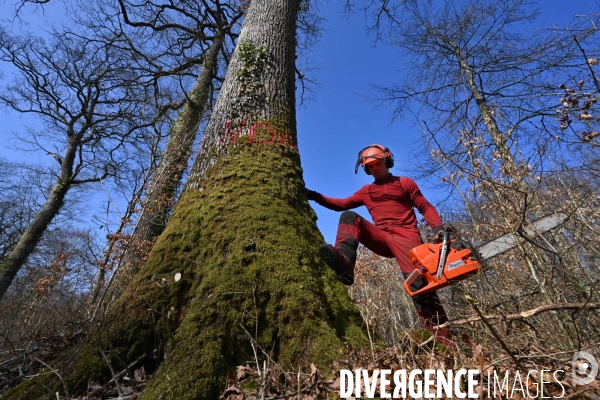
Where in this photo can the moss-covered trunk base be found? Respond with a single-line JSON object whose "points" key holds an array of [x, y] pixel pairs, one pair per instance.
{"points": [[247, 242], [245, 245]]}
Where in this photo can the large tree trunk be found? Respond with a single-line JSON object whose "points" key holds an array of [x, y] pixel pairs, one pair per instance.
{"points": [[243, 234], [243, 238]]}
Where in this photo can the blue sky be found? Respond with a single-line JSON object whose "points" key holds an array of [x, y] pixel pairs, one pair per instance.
{"points": [[339, 121]]}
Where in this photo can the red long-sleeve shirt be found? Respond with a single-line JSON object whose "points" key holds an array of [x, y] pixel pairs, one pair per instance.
{"points": [[390, 203]]}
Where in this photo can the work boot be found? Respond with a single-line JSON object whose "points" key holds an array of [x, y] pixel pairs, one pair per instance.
{"points": [[342, 264]]}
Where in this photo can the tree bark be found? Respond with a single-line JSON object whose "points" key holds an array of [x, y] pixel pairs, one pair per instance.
{"points": [[33, 234], [160, 195], [243, 234]]}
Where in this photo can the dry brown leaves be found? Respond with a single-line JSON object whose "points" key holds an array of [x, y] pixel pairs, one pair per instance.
{"points": [[278, 384]]}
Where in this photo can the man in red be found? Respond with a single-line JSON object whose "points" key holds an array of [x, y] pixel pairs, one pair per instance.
{"points": [[391, 201]]}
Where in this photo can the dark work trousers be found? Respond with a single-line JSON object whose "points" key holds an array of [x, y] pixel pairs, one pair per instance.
{"points": [[393, 242]]}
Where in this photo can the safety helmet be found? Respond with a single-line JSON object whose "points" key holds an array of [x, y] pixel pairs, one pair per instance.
{"points": [[372, 153]]}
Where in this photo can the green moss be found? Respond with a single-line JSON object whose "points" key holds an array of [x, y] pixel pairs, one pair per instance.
{"points": [[79, 365], [251, 93], [356, 338], [256, 270], [422, 334], [39, 387], [246, 245], [89, 365], [443, 349], [250, 386], [253, 59]]}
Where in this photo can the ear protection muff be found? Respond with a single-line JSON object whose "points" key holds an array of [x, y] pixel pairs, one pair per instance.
{"points": [[389, 160], [387, 156]]}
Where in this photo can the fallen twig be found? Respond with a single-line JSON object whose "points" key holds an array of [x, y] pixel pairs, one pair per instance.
{"points": [[496, 334], [254, 342], [521, 315], [112, 372], [118, 376], [67, 394]]}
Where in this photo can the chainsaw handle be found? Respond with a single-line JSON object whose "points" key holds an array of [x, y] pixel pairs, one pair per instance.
{"points": [[414, 275]]}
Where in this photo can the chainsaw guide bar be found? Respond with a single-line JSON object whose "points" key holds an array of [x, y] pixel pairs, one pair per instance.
{"points": [[439, 265]]}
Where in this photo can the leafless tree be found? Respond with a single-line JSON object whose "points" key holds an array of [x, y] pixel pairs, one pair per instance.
{"points": [[16, 210], [44, 309], [23, 188], [82, 92]]}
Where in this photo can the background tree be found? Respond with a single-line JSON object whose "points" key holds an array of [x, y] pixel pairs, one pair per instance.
{"points": [[23, 188], [81, 91], [44, 308], [16, 209]]}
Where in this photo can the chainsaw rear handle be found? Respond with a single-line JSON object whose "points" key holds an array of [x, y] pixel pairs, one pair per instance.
{"points": [[410, 279]]}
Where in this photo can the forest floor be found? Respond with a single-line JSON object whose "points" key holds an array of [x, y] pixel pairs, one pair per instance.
{"points": [[267, 380]]}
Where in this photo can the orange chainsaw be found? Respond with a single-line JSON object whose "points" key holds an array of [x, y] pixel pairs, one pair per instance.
{"points": [[452, 260]]}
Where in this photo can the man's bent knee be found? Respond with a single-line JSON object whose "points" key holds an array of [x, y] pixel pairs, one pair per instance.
{"points": [[348, 217]]}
